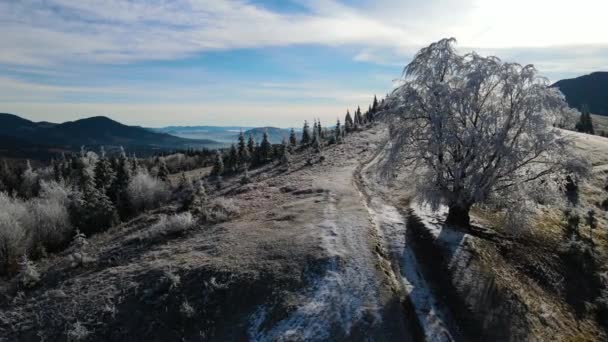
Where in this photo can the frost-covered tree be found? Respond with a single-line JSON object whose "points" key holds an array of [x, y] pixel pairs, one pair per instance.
{"points": [[251, 145], [265, 148], [218, 165], [338, 132], [104, 174], [243, 151], [348, 122], [163, 171], [293, 142], [478, 130], [29, 182], [305, 134]]}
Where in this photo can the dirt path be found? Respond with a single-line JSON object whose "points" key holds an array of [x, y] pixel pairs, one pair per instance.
{"points": [[371, 271], [392, 228]]}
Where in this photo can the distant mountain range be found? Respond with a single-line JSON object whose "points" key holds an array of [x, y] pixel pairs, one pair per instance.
{"points": [[22, 138], [225, 134], [589, 90]]}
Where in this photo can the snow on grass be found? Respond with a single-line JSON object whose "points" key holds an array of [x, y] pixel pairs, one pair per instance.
{"points": [[345, 295]]}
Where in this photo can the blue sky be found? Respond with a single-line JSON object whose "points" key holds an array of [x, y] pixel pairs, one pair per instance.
{"points": [[262, 62]]}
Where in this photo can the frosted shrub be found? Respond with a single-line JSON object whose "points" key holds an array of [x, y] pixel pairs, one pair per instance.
{"points": [[28, 275], [12, 233], [78, 332], [174, 224], [48, 224], [219, 210], [146, 192]]}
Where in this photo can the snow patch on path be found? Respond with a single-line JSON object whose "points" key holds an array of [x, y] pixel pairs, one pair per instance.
{"points": [[345, 295], [391, 227]]}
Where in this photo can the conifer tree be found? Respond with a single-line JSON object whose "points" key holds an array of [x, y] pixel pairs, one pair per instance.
{"points": [[315, 135], [118, 190], [375, 105], [293, 142], [163, 171], [92, 210], [348, 122], [251, 145], [233, 159], [243, 151], [585, 123], [305, 135], [320, 129], [104, 174], [338, 132], [265, 148], [218, 165]]}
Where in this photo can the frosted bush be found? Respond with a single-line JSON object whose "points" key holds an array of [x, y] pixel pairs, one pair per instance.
{"points": [[146, 192], [48, 223], [220, 210], [12, 233], [28, 275], [78, 332], [174, 224]]}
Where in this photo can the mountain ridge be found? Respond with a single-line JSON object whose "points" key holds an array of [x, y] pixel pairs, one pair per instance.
{"points": [[92, 131], [590, 91]]}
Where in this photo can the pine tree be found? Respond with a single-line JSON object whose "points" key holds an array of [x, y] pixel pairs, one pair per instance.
{"points": [[243, 151], [231, 164], [251, 145], [585, 123], [163, 171], [320, 129], [370, 114], [104, 174], [293, 142], [375, 105], [315, 135], [118, 190], [348, 123], [305, 135], [218, 165], [92, 210], [265, 148]]}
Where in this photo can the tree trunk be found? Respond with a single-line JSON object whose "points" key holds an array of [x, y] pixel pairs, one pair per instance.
{"points": [[458, 215]]}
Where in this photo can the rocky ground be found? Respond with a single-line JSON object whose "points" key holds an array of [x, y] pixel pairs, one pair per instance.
{"points": [[326, 250]]}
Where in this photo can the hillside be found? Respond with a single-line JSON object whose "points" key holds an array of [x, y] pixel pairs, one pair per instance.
{"points": [[319, 252], [91, 132], [588, 90]]}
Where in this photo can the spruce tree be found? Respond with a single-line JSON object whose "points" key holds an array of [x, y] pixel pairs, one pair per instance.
{"points": [[320, 129], [243, 151], [163, 171], [265, 148], [315, 135], [104, 174], [118, 190], [251, 145], [305, 135], [233, 159], [375, 105], [293, 142], [348, 122], [218, 165]]}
